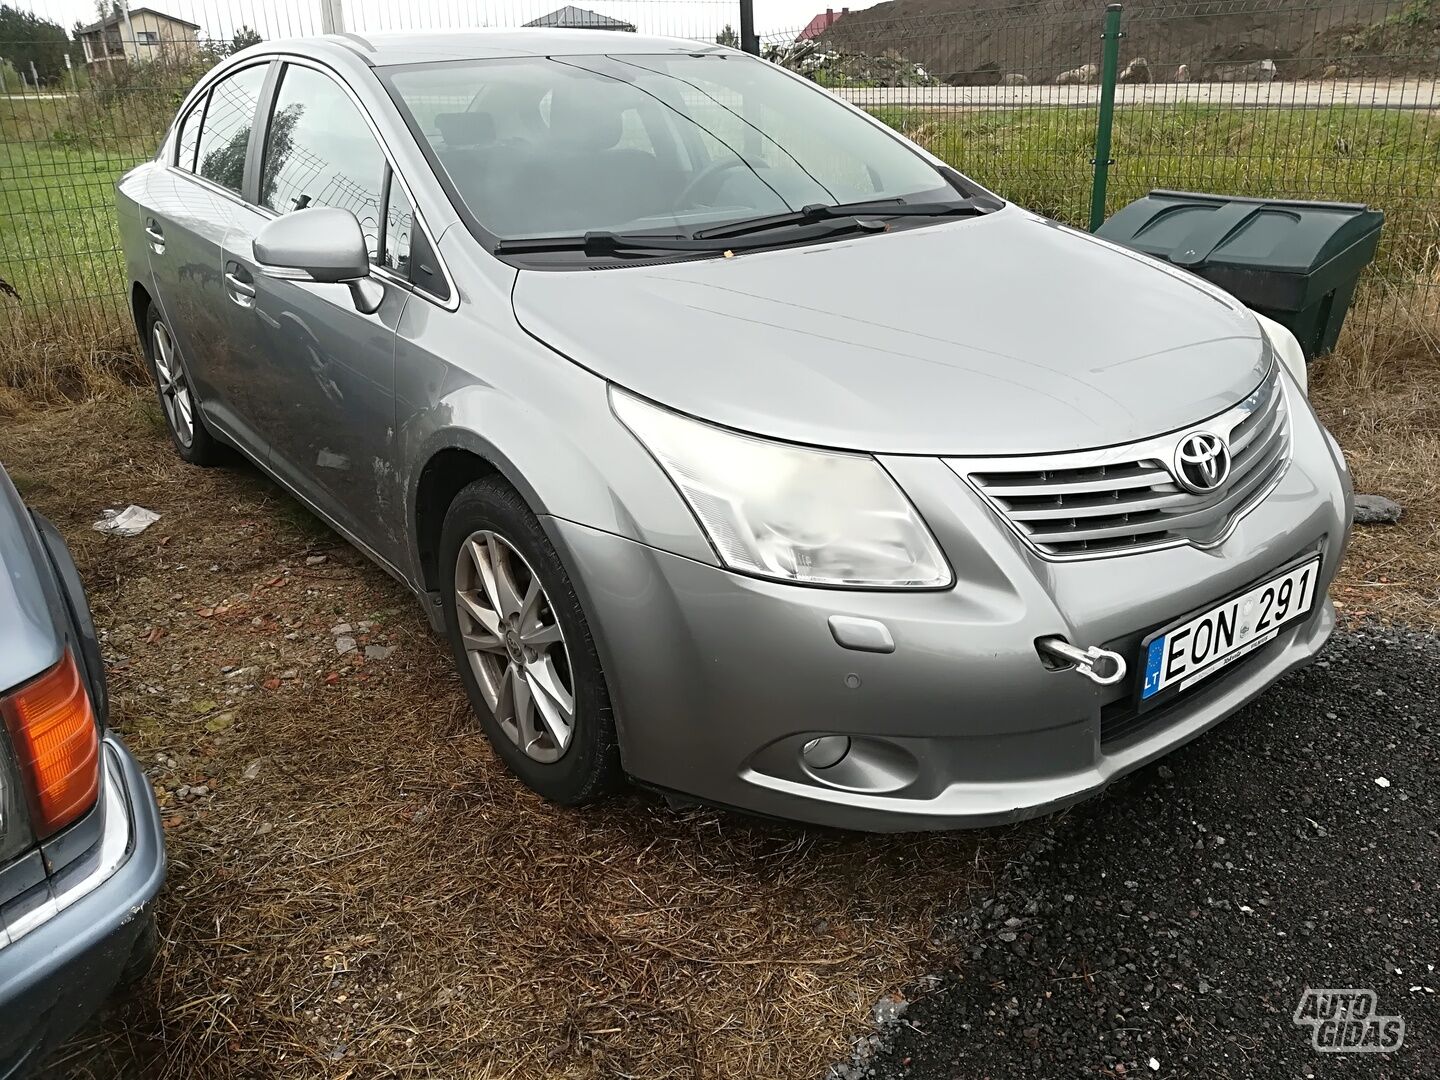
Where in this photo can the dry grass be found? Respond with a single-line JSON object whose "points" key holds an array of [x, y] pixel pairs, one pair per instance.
{"points": [[380, 897], [46, 359], [1380, 394]]}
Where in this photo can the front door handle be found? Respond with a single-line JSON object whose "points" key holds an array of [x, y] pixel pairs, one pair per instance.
{"points": [[156, 235], [239, 285]]}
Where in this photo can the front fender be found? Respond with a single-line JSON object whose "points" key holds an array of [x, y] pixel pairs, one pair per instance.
{"points": [[473, 379], [546, 426]]}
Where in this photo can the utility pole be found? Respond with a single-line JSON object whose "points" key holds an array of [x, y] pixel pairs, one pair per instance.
{"points": [[332, 16], [129, 32], [748, 41]]}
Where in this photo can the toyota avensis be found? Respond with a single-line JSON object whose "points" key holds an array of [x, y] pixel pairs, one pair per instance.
{"points": [[737, 444]]}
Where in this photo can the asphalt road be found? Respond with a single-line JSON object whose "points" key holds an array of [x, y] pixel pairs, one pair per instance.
{"points": [[1170, 928], [1388, 94]]}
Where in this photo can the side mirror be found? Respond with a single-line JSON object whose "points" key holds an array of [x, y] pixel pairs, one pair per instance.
{"points": [[322, 243]]}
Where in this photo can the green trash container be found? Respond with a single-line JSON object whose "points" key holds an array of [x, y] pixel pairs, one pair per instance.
{"points": [[1296, 262]]}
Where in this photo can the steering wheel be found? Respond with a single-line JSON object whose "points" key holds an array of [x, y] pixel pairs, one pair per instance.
{"points": [[708, 175]]}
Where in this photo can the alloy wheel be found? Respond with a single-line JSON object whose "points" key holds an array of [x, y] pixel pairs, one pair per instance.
{"points": [[515, 646], [174, 388]]}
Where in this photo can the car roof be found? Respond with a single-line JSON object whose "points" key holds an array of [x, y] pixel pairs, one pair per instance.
{"points": [[394, 48]]}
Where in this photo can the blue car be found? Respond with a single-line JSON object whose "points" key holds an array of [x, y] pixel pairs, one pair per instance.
{"points": [[82, 855]]}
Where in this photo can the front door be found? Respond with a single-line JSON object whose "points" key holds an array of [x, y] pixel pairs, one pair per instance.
{"points": [[323, 372]]}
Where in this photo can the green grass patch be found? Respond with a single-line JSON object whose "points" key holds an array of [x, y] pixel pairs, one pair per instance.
{"points": [[1041, 159], [58, 236], [60, 156]]}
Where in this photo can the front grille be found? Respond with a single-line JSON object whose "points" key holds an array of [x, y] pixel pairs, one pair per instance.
{"points": [[1125, 498]]}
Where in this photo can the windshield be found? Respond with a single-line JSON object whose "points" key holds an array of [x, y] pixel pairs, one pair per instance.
{"points": [[556, 146]]}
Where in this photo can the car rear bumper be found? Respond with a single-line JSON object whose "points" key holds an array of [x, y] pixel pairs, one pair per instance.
{"points": [[69, 947], [718, 679]]}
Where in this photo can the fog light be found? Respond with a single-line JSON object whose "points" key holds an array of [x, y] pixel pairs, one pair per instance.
{"points": [[826, 751]]}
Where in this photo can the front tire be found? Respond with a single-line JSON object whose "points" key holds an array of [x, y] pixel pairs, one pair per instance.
{"points": [[179, 406], [523, 647]]}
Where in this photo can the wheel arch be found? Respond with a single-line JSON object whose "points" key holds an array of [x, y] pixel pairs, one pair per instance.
{"points": [[456, 459], [572, 461], [140, 304]]}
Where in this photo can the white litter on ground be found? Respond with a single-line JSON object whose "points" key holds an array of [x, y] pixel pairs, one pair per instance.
{"points": [[1380, 781], [131, 521]]}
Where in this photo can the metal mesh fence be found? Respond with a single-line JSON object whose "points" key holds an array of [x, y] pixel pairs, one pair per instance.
{"points": [[1308, 99], [972, 87], [1317, 99], [84, 98]]}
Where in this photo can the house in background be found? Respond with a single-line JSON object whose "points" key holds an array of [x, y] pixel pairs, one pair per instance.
{"points": [[155, 36], [820, 23], [571, 17]]}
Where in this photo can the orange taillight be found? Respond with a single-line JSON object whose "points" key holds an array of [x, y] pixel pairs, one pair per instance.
{"points": [[57, 744]]}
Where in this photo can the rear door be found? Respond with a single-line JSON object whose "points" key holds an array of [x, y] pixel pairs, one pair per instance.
{"points": [[323, 372], [186, 211]]}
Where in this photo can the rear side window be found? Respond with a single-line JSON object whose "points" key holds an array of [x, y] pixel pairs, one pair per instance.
{"points": [[225, 133], [319, 152], [190, 135]]}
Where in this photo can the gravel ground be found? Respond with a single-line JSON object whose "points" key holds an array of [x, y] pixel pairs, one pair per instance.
{"points": [[1171, 927]]}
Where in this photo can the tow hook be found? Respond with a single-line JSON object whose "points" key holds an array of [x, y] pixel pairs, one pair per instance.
{"points": [[1100, 666]]}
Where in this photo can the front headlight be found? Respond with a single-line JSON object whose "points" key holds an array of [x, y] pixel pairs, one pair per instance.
{"points": [[1287, 348], [789, 512]]}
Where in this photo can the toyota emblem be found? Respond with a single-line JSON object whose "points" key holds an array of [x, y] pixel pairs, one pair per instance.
{"points": [[1202, 462]]}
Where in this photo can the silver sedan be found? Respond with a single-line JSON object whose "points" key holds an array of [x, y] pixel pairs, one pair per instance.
{"points": [[736, 444]]}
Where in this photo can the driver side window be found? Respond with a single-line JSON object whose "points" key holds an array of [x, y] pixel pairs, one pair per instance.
{"points": [[319, 152]]}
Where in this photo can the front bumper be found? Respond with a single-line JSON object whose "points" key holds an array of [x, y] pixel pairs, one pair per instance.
{"points": [[718, 679], [68, 944]]}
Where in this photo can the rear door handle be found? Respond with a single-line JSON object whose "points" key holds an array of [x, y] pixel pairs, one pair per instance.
{"points": [[240, 285], [156, 235]]}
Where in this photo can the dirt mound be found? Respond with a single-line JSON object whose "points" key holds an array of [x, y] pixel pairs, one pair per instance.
{"points": [[976, 42]]}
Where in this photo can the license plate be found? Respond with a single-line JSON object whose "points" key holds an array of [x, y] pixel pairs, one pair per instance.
{"points": [[1197, 648]]}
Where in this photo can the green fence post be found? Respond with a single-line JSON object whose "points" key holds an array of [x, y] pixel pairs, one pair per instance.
{"points": [[1109, 61], [749, 42]]}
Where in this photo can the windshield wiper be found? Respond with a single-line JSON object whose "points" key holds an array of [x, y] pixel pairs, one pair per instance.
{"points": [[822, 212], [597, 243], [613, 243]]}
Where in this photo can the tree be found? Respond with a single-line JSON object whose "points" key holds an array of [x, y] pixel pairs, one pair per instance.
{"points": [[279, 145], [226, 164], [728, 36], [28, 39], [243, 39]]}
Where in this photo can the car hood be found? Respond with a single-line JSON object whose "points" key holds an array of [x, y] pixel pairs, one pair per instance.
{"points": [[999, 334]]}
